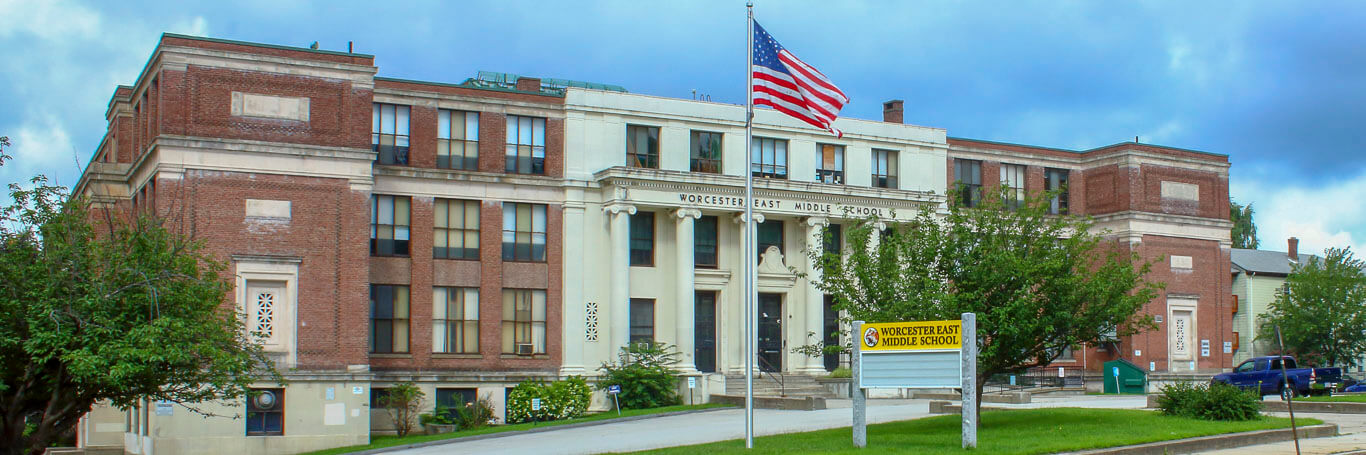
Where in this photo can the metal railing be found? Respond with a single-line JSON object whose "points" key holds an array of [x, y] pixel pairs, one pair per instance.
{"points": [[775, 375]]}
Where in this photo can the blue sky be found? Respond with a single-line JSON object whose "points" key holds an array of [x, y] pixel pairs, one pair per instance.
{"points": [[1277, 86]]}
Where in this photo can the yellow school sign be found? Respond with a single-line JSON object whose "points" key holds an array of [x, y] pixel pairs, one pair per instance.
{"points": [[912, 336]]}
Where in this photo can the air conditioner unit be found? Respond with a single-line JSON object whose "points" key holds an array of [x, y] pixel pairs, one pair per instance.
{"points": [[525, 349]]}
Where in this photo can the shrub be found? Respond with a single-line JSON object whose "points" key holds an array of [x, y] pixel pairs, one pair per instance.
{"points": [[1216, 401], [842, 372], [645, 373], [440, 416], [477, 414], [403, 402], [559, 400]]}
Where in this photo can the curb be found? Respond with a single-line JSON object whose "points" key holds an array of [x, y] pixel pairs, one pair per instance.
{"points": [[1335, 407], [1216, 442], [504, 434]]}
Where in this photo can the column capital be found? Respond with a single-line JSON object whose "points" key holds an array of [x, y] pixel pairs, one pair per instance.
{"points": [[740, 218], [618, 207], [880, 226], [684, 213], [817, 221]]}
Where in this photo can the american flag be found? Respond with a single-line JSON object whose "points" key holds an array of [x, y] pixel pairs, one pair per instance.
{"points": [[789, 85]]}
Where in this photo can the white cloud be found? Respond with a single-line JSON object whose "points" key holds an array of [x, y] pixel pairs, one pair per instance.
{"points": [[67, 58], [1326, 216], [48, 20]]}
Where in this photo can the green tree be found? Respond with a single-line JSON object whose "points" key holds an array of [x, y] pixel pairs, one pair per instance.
{"points": [[1038, 283], [111, 310], [4, 142], [1244, 229], [1322, 310]]}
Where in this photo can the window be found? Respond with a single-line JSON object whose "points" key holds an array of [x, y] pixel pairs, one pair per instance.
{"points": [[1056, 180], [456, 229], [523, 321], [377, 397], [768, 158], [706, 152], [455, 320], [389, 133], [830, 163], [834, 239], [453, 398], [388, 319], [705, 242], [457, 140], [968, 175], [770, 233], [643, 239], [523, 232], [1013, 178], [642, 146], [266, 412], [389, 220], [884, 168], [642, 320], [526, 145]]}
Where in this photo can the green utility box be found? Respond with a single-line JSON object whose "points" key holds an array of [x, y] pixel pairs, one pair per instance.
{"points": [[1124, 377]]}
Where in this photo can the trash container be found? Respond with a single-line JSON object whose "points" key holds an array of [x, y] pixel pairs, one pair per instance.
{"points": [[1124, 377]]}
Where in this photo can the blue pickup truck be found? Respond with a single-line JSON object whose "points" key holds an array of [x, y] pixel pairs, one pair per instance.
{"points": [[1264, 375]]}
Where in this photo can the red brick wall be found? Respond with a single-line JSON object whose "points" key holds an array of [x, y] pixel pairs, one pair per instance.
{"points": [[301, 54], [339, 115], [495, 275], [1208, 282], [329, 231]]}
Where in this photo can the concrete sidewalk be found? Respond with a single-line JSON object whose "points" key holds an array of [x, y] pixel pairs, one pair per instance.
{"points": [[715, 426], [1352, 439]]}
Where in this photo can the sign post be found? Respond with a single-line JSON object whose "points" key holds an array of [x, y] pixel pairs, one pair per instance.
{"points": [[915, 355], [614, 390], [969, 361], [860, 400]]}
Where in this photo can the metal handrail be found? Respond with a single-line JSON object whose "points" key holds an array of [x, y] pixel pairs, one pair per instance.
{"points": [[782, 380]]}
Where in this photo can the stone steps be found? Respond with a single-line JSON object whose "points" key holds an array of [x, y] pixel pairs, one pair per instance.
{"points": [[794, 385]]}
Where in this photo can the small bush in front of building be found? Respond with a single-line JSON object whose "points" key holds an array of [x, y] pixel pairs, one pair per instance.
{"points": [[476, 414], [1216, 401], [404, 403], [645, 373], [842, 373], [559, 400]]}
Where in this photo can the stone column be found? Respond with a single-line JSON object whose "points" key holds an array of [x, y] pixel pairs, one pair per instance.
{"points": [[619, 309], [815, 299], [573, 294], [684, 305], [748, 315], [876, 238]]}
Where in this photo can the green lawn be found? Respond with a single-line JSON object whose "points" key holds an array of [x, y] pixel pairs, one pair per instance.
{"points": [[1002, 432], [1337, 398], [390, 441]]}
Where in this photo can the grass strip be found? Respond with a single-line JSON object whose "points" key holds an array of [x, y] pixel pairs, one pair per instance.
{"points": [[1026, 431], [382, 441], [1335, 399]]}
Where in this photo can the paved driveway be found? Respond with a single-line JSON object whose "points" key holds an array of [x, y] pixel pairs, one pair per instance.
{"points": [[714, 426]]}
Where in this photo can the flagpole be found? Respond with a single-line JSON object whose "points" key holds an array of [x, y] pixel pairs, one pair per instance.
{"points": [[750, 247]]}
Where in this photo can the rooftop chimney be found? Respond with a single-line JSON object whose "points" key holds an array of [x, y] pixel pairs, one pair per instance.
{"points": [[1294, 252], [891, 111], [529, 84]]}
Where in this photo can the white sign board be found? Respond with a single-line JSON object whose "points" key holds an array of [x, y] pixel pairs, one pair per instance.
{"points": [[924, 354], [921, 354], [164, 408], [692, 382], [1228, 347], [535, 404]]}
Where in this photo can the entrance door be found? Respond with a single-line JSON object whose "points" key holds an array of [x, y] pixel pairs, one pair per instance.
{"points": [[704, 331], [829, 332], [770, 332]]}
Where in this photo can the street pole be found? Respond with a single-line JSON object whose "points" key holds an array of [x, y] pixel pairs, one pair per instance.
{"points": [[750, 247], [860, 397], [1289, 393]]}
